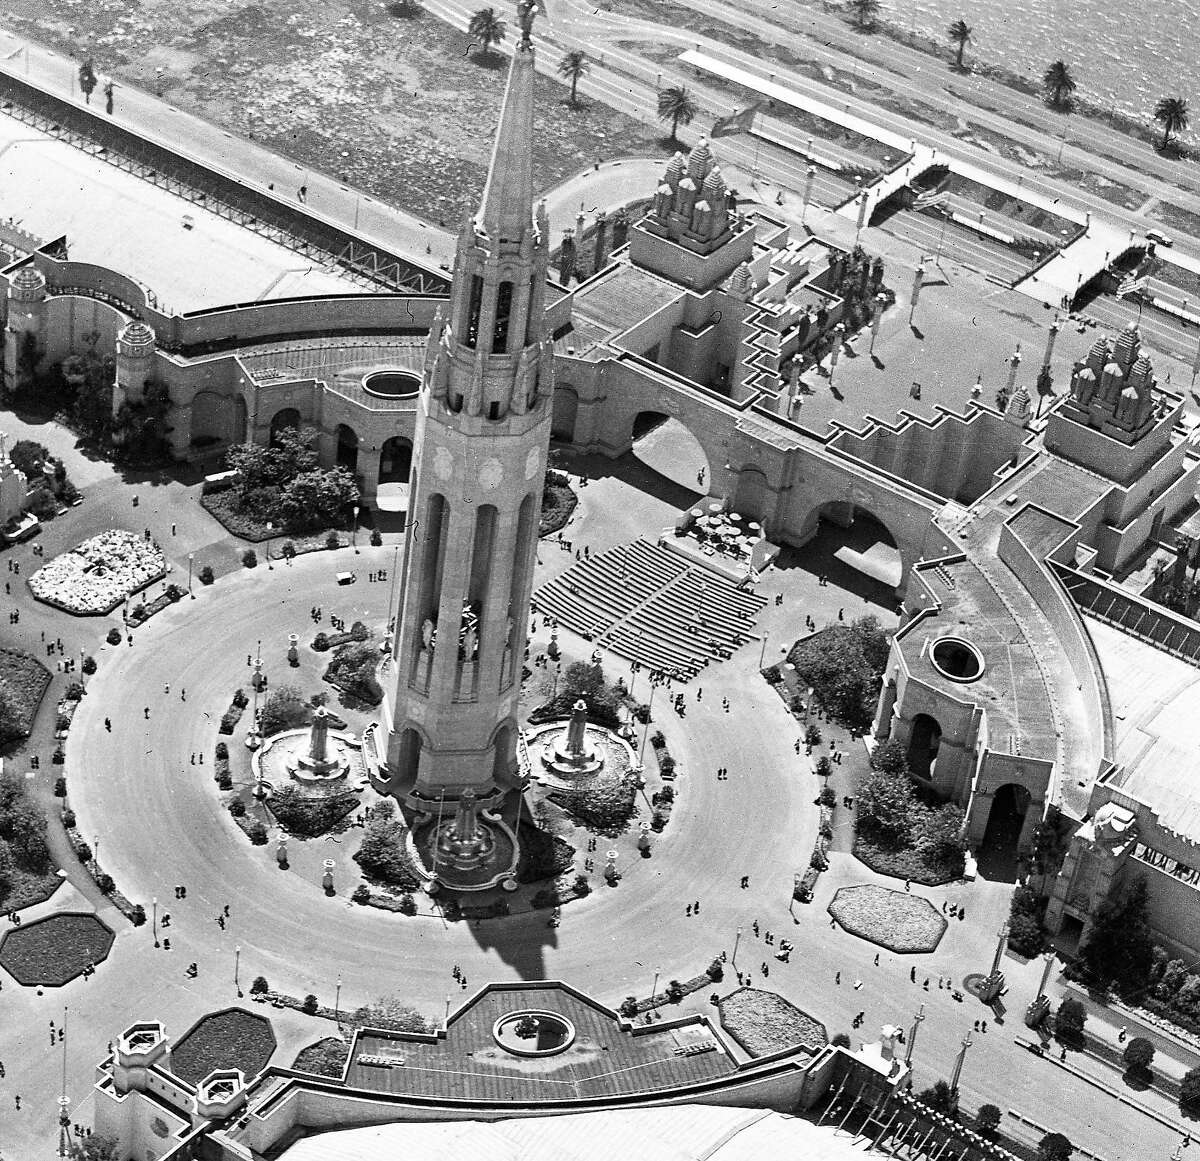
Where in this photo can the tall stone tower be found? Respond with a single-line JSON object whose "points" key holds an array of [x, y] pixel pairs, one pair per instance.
{"points": [[479, 459]]}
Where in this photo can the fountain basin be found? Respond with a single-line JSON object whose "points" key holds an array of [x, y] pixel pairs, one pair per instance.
{"points": [[286, 755], [606, 757]]}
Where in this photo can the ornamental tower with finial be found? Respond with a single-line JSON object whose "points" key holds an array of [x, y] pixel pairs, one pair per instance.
{"points": [[479, 459]]}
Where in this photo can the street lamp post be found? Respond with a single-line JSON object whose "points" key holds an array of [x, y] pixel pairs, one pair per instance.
{"points": [[958, 1061], [154, 920], [191, 558], [646, 727], [354, 531], [736, 940], [918, 1019], [270, 533], [237, 964], [654, 986], [337, 1000]]}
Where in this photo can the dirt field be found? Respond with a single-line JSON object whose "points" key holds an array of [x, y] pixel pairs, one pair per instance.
{"points": [[398, 106]]}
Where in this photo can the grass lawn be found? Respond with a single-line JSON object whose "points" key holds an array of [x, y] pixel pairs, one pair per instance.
{"points": [[399, 107], [56, 949], [227, 1039], [908, 863], [762, 1023], [893, 919], [23, 682], [27, 888]]}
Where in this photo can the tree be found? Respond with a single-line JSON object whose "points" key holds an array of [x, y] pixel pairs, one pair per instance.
{"points": [[95, 1148], [960, 34], [392, 1013], [840, 1040], [29, 457], [1069, 1019], [87, 80], [1138, 1054], [987, 1120], [843, 663], [316, 498], [310, 1005], [1055, 1147], [891, 757], [487, 28], [1059, 84], [1119, 948], [865, 12], [676, 104], [1189, 1089], [573, 65], [527, 1027], [941, 1098], [886, 806], [1172, 114], [284, 709]]}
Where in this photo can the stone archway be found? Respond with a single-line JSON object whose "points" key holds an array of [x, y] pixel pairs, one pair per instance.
{"points": [[346, 455], [566, 411], [216, 420], [668, 448], [855, 549], [923, 743], [282, 420], [1000, 845], [395, 460]]}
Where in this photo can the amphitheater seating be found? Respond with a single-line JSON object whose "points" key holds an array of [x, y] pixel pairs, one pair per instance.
{"points": [[653, 606]]}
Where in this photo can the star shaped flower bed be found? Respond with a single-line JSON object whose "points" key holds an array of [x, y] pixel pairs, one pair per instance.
{"points": [[893, 919], [49, 952]]}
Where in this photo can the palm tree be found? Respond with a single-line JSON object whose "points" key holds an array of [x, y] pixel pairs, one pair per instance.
{"points": [[865, 12], [1059, 84], [1172, 114], [487, 28], [677, 106], [959, 33], [572, 66]]}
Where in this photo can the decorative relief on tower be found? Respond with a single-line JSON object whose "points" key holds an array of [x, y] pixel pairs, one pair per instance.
{"points": [[443, 463], [491, 474]]}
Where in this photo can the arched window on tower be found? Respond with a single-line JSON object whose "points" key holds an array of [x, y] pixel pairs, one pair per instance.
{"points": [[529, 319], [504, 300], [474, 303]]}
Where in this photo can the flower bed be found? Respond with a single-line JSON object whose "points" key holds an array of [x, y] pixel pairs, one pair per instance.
{"points": [[763, 1023], [253, 527], [893, 919], [23, 683], [52, 951], [558, 504], [97, 575], [310, 815], [143, 613], [325, 1058], [228, 1039], [908, 863]]}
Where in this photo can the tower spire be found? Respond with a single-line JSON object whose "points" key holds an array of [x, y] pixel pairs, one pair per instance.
{"points": [[507, 206]]}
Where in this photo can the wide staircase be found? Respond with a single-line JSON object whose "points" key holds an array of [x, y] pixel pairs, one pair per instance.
{"points": [[651, 605]]}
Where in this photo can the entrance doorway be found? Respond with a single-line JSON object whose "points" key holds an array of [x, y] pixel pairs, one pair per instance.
{"points": [[997, 853], [347, 448], [923, 745]]}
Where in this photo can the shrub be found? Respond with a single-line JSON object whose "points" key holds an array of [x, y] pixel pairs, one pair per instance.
{"points": [[1025, 934], [332, 541], [237, 808], [583, 885], [257, 834], [174, 593], [284, 709], [62, 722], [68, 818], [987, 1120], [260, 986], [1189, 1089], [383, 855], [362, 894], [1069, 1020], [824, 767], [225, 782], [408, 905], [1138, 1054], [674, 992], [60, 787], [84, 852], [206, 575], [105, 883], [137, 915], [376, 538], [321, 642], [222, 751], [840, 1040], [1055, 1147], [288, 550], [114, 636], [941, 1098], [250, 558], [812, 735], [309, 1007], [715, 971], [666, 765], [75, 691], [629, 1007], [89, 662], [352, 670], [544, 898]]}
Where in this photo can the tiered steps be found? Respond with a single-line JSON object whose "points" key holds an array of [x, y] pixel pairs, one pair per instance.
{"points": [[651, 605]]}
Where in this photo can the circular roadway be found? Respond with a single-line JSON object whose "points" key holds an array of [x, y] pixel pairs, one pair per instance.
{"points": [[161, 822]]}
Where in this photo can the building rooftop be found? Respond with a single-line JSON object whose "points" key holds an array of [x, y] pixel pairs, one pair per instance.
{"points": [[604, 1060], [1156, 727], [623, 296], [138, 229]]}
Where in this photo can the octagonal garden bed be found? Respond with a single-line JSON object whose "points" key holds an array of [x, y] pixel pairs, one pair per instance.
{"points": [[231, 1038], [763, 1023], [52, 951], [893, 919]]}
